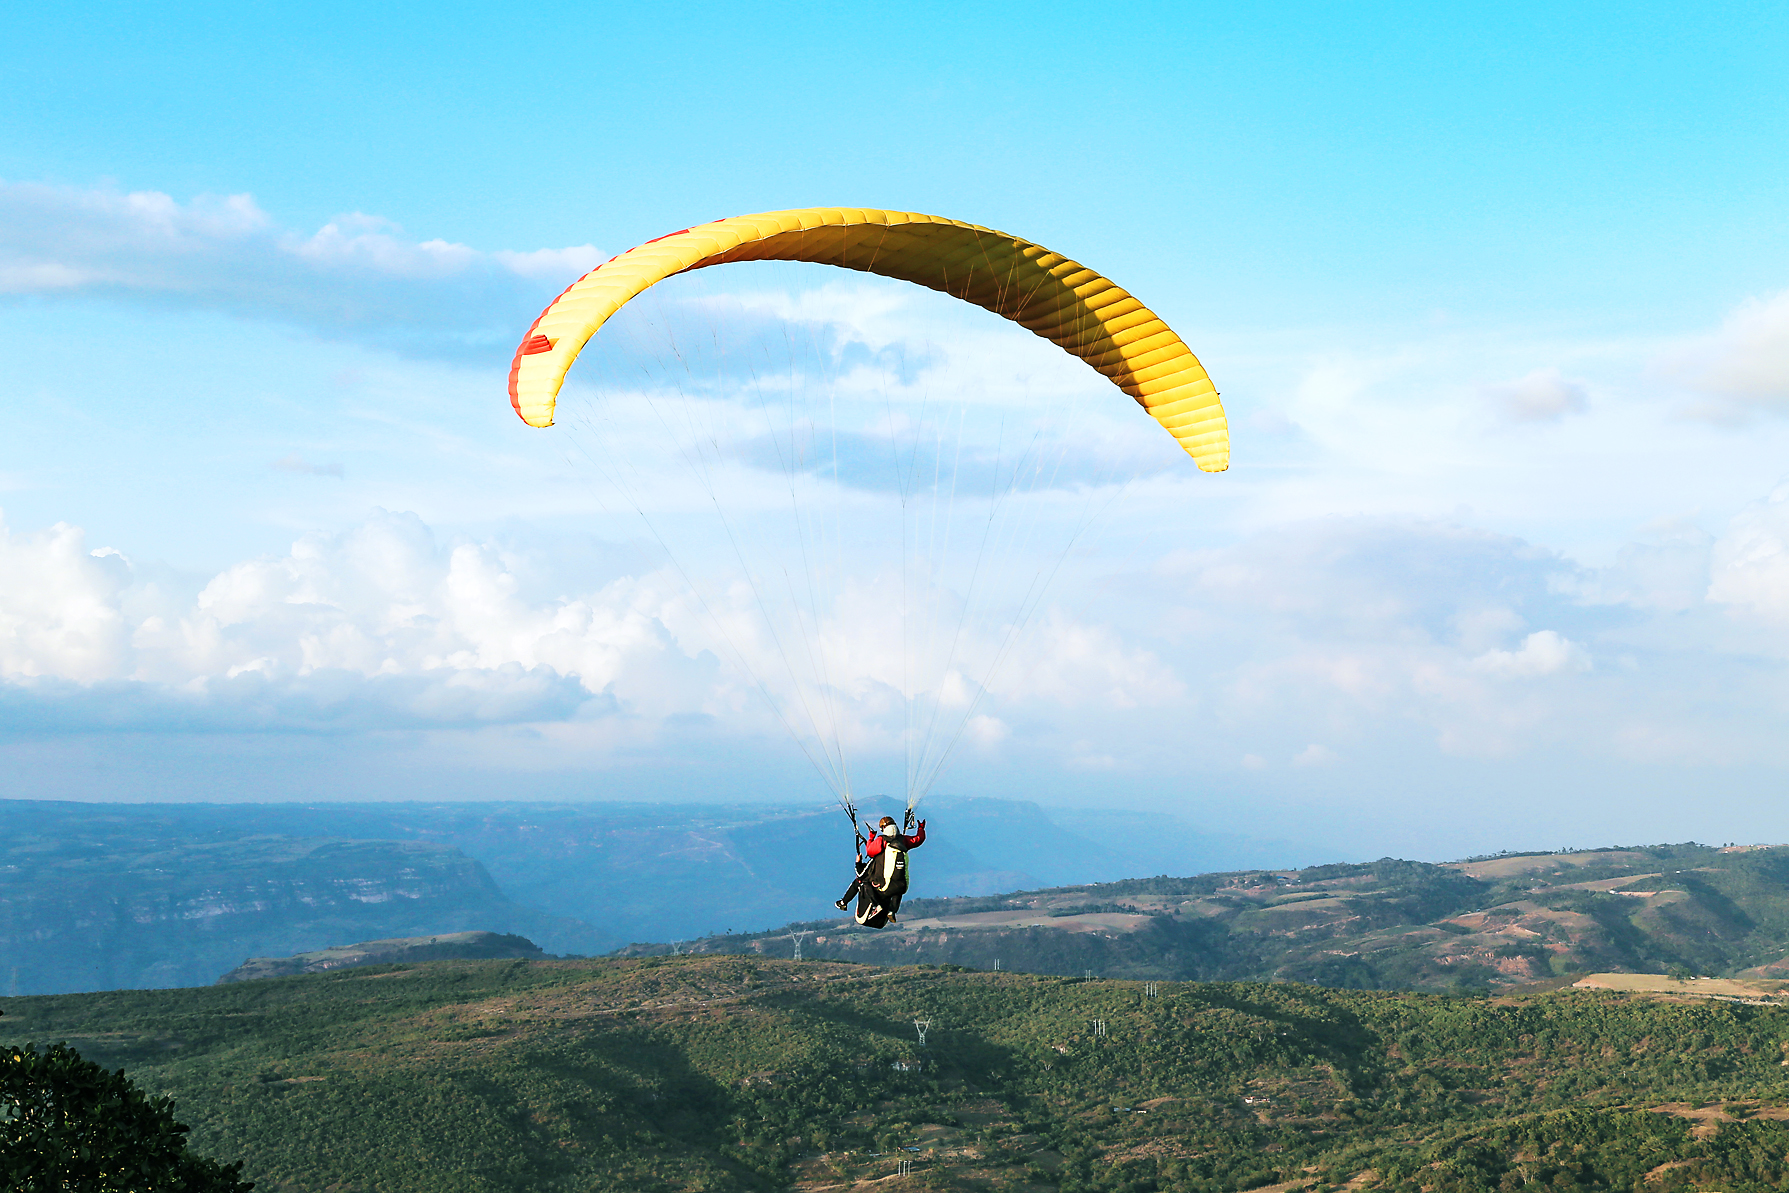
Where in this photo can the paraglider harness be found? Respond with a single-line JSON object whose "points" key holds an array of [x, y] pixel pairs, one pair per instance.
{"points": [[881, 880]]}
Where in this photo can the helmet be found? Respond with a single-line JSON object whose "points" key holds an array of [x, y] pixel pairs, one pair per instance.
{"points": [[889, 830]]}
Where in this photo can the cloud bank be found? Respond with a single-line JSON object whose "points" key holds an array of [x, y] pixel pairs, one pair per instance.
{"points": [[386, 626], [1312, 647], [374, 629]]}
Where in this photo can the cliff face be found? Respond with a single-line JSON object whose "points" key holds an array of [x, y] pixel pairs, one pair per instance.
{"points": [[96, 912]]}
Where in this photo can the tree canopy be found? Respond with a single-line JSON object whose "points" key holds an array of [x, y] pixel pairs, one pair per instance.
{"points": [[67, 1124]]}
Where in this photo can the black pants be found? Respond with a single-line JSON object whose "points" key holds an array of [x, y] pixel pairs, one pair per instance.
{"points": [[892, 902], [856, 883]]}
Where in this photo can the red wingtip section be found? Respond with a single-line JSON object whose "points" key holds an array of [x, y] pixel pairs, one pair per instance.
{"points": [[536, 343]]}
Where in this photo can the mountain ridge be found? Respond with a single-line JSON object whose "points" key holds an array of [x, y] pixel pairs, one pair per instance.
{"points": [[1480, 923]]}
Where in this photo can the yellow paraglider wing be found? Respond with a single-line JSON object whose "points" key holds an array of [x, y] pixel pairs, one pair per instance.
{"points": [[1065, 302]]}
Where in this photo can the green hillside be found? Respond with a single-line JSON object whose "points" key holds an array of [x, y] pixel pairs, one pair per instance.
{"points": [[1480, 924], [725, 1072]]}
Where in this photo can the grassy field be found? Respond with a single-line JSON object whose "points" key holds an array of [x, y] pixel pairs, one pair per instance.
{"points": [[1752, 989], [724, 1073]]}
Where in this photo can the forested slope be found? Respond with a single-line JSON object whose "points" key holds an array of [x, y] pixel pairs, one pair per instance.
{"points": [[724, 1073]]}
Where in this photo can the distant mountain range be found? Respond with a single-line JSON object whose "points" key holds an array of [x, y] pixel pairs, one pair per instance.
{"points": [[108, 896], [96, 897]]}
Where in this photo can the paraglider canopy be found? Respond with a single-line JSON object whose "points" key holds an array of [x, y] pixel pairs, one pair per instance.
{"points": [[1065, 302]]}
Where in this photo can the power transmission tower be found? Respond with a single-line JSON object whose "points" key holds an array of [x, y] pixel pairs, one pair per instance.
{"points": [[1099, 1028], [676, 948], [904, 1168], [922, 1026], [798, 937]]}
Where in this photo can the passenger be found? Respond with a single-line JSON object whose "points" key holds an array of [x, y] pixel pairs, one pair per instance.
{"points": [[887, 830], [881, 878]]}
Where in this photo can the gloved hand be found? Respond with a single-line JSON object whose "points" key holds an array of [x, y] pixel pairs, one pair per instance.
{"points": [[922, 826]]}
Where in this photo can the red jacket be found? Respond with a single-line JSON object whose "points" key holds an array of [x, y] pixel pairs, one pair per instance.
{"points": [[913, 842]]}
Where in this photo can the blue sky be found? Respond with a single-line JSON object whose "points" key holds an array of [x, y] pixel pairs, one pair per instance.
{"points": [[1494, 295]]}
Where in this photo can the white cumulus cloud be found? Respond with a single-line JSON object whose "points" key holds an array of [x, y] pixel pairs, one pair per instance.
{"points": [[1750, 562], [1545, 395], [61, 607], [1543, 652], [380, 625], [387, 625], [293, 462], [1315, 755], [1745, 362]]}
